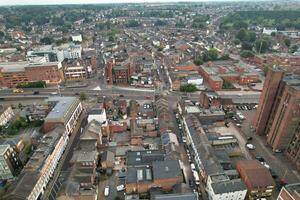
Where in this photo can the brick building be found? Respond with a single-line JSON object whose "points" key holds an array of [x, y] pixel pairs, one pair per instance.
{"points": [[290, 63], [117, 74], [162, 174], [257, 179], [12, 73], [215, 73], [278, 114], [290, 192]]}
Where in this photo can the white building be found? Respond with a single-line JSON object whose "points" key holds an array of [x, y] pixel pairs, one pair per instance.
{"points": [[97, 114], [196, 80], [77, 38], [222, 188], [41, 166], [69, 51], [267, 31], [9, 162], [6, 113]]}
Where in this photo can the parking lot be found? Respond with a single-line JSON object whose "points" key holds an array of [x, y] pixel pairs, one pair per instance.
{"points": [[277, 161]]}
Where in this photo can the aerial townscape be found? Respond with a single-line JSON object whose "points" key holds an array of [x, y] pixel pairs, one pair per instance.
{"points": [[150, 100]]}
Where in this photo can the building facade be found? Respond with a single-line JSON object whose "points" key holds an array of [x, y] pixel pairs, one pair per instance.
{"points": [[39, 169], [10, 163], [6, 113], [12, 73], [278, 114], [65, 111]]}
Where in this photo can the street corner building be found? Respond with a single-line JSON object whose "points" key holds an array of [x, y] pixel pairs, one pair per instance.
{"points": [[257, 179], [65, 111]]}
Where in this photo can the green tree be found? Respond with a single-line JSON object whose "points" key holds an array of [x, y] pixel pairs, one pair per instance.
{"points": [[262, 45], [293, 49], [273, 34], [246, 54], [83, 96], [287, 42], [2, 34], [47, 40], [242, 34], [247, 46], [188, 88], [132, 23], [213, 54], [198, 61], [227, 85]]}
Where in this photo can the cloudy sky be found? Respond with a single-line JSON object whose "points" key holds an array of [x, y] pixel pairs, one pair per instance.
{"points": [[29, 2]]}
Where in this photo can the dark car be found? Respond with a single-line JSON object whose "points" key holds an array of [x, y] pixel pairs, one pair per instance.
{"points": [[36, 92], [273, 174], [249, 138], [76, 93], [121, 95], [260, 159]]}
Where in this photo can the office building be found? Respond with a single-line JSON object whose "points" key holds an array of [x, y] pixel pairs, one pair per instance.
{"points": [[10, 163], [65, 111]]}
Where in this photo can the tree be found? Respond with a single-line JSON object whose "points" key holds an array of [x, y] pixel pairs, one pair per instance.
{"points": [[262, 44], [213, 54], [198, 61], [293, 49], [287, 42], [251, 36], [247, 46], [83, 96], [236, 41], [227, 85], [247, 54], [47, 40], [2, 34], [188, 88], [242, 34], [273, 34]]}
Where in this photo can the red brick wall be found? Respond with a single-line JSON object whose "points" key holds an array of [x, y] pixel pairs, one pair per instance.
{"points": [[116, 128]]}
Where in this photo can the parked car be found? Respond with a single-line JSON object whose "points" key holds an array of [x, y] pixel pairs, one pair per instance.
{"points": [[250, 146], [36, 92], [121, 95], [249, 138], [120, 188], [106, 191], [260, 159]]}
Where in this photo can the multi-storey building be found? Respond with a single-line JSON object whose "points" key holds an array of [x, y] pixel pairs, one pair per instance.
{"points": [[267, 99], [278, 114], [290, 192], [12, 73], [257, 178], [39, 169], [10, 163], [65, 111], [53, 54], [6, 113]]}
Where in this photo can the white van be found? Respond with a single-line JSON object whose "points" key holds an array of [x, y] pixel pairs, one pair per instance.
{"points": [[106, 191]]}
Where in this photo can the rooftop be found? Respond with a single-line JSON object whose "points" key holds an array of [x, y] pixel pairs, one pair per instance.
{"points": [[146, 157], [63, 108], [182, 196], [166, 169], [228, 186], [3, 148], [257, 174], [293, 190]]}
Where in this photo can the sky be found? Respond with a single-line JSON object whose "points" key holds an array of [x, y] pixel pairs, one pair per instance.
{"points": [[46, 2]]}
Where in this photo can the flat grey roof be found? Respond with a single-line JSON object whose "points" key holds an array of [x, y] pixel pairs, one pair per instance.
{"points": [[180, 196], [228, 186], [166, 169], [62, 109], [146, 157]]}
